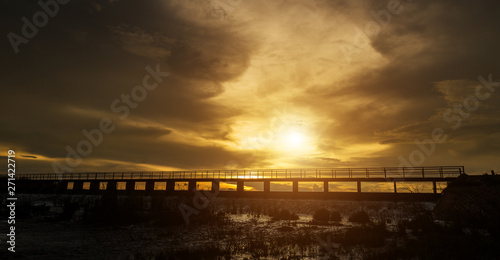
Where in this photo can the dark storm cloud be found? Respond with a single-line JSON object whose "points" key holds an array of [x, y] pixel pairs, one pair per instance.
{"points": [[184, 156], [65, 78], [395, 90], [460, 44], [427, 43]]}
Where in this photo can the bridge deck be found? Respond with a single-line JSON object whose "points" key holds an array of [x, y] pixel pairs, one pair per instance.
{"points": [[373, 174], [186, 183]]}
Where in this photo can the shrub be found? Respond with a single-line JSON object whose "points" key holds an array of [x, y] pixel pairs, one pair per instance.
{"points": [[422, 223], [69, 209], [284, 214], [369, 235], [359, 217], [335, 216], [321, 215]]}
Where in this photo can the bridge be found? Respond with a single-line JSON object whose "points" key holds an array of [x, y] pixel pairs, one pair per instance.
{"points": [[260, 183]]}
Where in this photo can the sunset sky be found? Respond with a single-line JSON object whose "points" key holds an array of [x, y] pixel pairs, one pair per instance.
{"points": [[250, 84]]}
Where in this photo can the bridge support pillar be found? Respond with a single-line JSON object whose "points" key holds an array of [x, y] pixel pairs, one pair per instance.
{"points": [[170, 186], [325, 186], [62, 186], [94, 186], [359, 186], [130, 186], [240, 186], [111, 186], [395, 187], [295, 186], [267, 186], [434, 188], [49, 187], [77, 186], [191, 185], [150, 185], [215, 186]]}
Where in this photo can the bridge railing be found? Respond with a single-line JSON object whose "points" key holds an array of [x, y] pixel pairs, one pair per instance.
{"points": [[323, 173]]}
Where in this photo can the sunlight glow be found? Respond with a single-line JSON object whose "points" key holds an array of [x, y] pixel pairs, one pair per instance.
{"points": [[295, 139]]}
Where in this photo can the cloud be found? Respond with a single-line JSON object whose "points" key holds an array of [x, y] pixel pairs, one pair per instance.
{"points": [[84, 60], [433, 54], [138, 42], [231, 68]]}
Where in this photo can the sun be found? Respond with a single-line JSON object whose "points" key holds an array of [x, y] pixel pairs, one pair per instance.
{"points": [[294, 139], [292, 143]]}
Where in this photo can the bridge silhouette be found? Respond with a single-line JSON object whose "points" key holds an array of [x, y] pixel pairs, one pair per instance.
{"points": [[239, 183]]}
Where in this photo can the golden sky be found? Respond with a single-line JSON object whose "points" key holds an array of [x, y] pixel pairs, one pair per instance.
{"points": [[252, 84]]}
